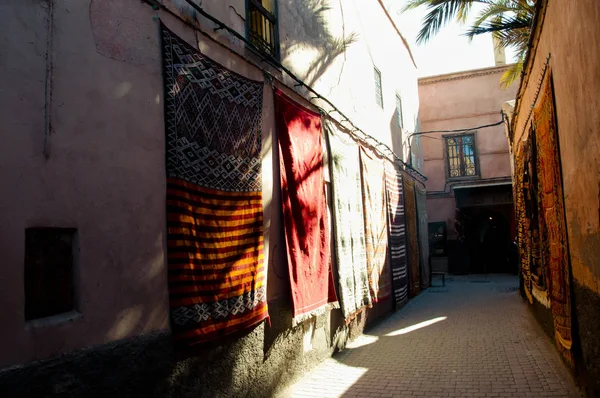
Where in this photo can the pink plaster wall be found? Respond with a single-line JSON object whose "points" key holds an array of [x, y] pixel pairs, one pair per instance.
{"points": [[570, 35], [104, 176], [105, 171], [457, 101]]}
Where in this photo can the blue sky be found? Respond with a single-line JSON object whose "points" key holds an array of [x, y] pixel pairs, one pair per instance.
{"points": [[449, 51]]}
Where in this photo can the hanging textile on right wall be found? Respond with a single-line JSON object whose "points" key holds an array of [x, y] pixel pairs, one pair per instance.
{"points": [[521, 186], [396, 233], [410, 207], [553, 234], [423, 235], [348, 222]]}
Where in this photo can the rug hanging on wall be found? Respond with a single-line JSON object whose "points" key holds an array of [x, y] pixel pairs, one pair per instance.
{"points": [[376, 239], [396, 233], [304, 207], [520, 185], [348, 221], [553, 234], [412, 237], [214, 197], [537, 267], [425, 270]]}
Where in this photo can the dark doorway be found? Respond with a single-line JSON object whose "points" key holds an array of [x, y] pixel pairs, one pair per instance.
{"points": [[489, 241], [487, 223]]}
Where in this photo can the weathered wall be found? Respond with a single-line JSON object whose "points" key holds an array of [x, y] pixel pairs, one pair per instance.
{"points": [[570, 36], [458, 101], [102, 172]]}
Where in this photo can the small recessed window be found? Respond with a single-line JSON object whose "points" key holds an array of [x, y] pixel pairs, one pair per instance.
{"points": [[378, 87], [262, 27], [399, 111], [49, 286]]}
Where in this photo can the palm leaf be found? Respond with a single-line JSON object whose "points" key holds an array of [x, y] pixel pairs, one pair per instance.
{"points": [[509, 21], [512, 74], [498, 8], [500, 24], [440, 13]]}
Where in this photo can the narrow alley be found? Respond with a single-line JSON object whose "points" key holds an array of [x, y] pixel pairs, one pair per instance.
{"points": [[473, 338], [261, 198]]}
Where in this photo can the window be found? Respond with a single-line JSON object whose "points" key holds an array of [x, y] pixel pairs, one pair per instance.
{"points": [[261, 25], [378, 89], [461, 156], [49, 286], [399, 110]]}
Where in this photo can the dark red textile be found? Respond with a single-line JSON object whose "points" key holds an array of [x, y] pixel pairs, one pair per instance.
{"points": [[304, 206]]}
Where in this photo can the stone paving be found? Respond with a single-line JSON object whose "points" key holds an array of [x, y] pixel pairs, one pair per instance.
{"points": [[473, 338]]}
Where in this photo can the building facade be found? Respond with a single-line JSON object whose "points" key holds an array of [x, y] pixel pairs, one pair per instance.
{"points": [[84, 166], [469, 202], [553, 138]]}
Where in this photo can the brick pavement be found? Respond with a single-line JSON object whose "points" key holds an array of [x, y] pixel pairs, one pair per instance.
{"points": [[469, 339]]}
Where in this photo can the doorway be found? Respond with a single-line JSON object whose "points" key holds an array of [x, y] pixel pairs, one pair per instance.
{"points": [[487, 233]]}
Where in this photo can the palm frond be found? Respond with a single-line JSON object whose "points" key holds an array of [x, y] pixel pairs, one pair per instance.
{"points": [[516, 38], [498, 8], [509, 21], [440, 13], [512, 74], [500, 24]]}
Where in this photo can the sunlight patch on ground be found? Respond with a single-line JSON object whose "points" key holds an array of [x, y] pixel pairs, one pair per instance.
{"points": [[416, 326], [362, 341], [350, 376]]}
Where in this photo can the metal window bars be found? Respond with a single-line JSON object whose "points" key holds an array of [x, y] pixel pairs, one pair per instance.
{"points": [[461, 156], [262, 27]]}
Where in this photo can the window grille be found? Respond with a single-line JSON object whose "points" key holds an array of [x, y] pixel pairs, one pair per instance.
{"points": [[461, 156], [261, 23]]}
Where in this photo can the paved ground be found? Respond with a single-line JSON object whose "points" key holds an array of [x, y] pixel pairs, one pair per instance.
{"points": [[474, 338]]}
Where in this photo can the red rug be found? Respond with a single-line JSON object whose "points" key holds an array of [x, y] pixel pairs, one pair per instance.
{"points": [[304, 207]]}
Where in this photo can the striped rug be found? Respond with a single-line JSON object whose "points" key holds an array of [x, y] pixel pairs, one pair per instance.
{"points": [[373, 191], [214, 197], [396, 233]]}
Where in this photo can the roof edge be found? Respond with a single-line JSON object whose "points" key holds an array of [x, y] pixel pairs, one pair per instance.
{"points": [[465, 74], [534, 38]]}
